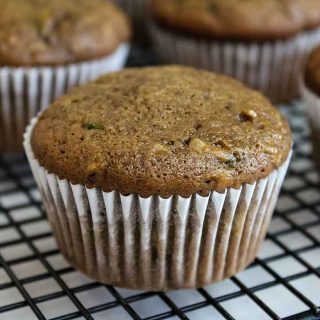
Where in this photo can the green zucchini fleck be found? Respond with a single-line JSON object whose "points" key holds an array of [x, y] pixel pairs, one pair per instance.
{"points": [[93, 126]]}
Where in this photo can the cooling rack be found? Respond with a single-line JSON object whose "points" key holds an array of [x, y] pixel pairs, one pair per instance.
{"points": [[283, 283]]}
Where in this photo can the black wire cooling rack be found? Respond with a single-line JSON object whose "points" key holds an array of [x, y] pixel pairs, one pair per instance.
{"points": [[283, 283]]}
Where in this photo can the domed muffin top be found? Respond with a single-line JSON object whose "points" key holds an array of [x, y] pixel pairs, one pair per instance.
{"points": [[162, 130], [239, 19], [42, 32], [312, 75]]}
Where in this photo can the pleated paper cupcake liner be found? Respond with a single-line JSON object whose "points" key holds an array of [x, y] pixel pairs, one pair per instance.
{"points": [[26, 91], [271, 67], [136, 9], [312, 104], [155, 243]]}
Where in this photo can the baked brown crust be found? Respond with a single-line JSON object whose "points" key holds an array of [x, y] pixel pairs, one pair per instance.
{"points": [[163, 130], [239, 19], [312, 73], [41, 32]]}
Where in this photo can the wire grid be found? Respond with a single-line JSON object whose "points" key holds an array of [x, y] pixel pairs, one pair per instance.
{"points": [[283, 283]]}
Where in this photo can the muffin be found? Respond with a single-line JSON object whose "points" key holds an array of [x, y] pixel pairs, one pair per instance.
{"points": [[311, 95], [160, 178], [136, 9], [261, 43], [47, 47]]}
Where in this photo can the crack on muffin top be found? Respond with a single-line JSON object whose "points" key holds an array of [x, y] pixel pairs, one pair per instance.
{"points": [[162, 130]]}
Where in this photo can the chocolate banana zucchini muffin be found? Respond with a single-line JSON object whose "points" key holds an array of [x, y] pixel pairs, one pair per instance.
{"points": [[40, 32], [47, 47], [311, 96], [263, 43], [221, 18], [171, 171], [312, 72]]}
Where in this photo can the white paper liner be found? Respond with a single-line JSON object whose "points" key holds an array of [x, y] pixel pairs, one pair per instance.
{"points": [[25, 91], [312, 103], [155, 243], [271, 67]]}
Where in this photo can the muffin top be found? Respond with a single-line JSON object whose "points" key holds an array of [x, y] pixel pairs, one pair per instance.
{"points": [[42, 32], [312, 75], [239, 19], [163, 130]]}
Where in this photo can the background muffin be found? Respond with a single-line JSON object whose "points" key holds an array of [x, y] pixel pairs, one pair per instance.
{"points": [[176, 169], [311, 95], [262, 43], [46, 47]]}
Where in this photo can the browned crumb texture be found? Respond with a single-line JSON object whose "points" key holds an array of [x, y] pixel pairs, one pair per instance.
{"points": [[163, 130], [312, 75], [239, 19], [42, 32]]}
